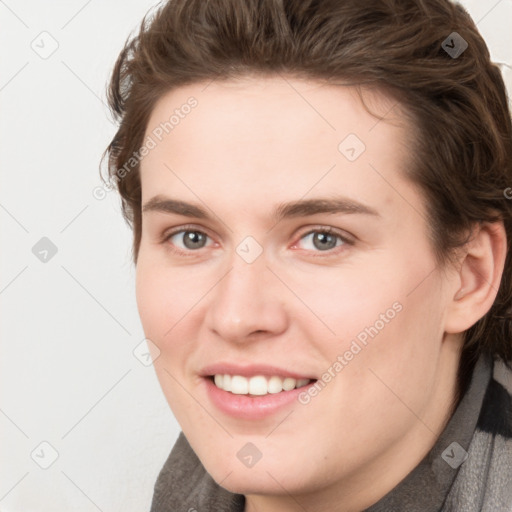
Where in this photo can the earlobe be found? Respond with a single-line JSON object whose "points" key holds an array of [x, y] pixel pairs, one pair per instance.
{"points": [[479, 277]]}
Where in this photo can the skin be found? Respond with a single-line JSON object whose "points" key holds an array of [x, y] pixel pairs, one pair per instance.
{"points": [[248, 146]]}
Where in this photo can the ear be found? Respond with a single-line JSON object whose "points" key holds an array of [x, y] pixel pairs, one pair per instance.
{"points": [[478, 278]]}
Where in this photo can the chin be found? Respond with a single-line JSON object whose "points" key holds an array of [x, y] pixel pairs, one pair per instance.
{"points": [[260, 479], [251, 484]]}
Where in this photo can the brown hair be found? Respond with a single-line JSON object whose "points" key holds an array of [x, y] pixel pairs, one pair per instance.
{"points": [[462, 156]]}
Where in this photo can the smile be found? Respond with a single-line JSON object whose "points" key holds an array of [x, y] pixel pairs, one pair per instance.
{"points": [[257, 385]]}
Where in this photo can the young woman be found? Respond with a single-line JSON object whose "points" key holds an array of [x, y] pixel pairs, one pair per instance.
{"points": [[321, 205]]}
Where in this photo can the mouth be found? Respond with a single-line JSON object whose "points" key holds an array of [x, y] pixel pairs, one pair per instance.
{"points": [[254, 398], [257, 385], [255, 391]]}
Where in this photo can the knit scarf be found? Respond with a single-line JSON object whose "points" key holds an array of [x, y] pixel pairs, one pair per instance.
{"points": [[469, 469]]}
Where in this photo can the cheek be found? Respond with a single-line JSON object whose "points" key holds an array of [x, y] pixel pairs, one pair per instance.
{"points": [[387, 316], [169, 305], [397, 362], [152, 299], [345, 300], [162, 303], [163, 297]]}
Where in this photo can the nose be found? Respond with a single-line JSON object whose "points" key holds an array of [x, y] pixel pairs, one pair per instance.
{"points": [[247, 303]]}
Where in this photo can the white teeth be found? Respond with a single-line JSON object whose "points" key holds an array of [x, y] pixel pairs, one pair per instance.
{"points": [[289, 383], [257, 385], [239, 385], [226, 382], [275, 385]]}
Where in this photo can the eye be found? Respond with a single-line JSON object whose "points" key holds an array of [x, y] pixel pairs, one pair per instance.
{"points": [[188, 239], [184, 240], [323, 240]]}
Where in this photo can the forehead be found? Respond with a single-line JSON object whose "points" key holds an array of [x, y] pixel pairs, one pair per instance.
{"points": [[252, 136], [306, 109]]}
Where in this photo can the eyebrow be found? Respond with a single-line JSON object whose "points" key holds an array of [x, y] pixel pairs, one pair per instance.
{"points": [[300, 208]]}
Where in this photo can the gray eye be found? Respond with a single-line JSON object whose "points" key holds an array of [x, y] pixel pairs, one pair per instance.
{"points": [[321, 240], [191, 239], [324, 241]]}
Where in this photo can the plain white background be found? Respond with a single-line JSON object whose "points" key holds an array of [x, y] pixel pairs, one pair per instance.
{"points": [[75, 398]]}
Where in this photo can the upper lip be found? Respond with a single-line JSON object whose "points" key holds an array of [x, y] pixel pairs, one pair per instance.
{"points": [[251, 370]]}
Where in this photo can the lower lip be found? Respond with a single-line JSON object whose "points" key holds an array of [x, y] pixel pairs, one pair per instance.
{"points": [[251, 407]]}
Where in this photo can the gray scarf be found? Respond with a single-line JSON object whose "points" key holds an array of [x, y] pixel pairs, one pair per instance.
{"points": [[469, 469]]}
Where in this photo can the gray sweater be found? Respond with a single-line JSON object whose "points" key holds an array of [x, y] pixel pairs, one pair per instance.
{"points": [[469, 469]]}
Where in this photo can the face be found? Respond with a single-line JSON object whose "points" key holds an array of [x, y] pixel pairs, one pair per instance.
{"points": [[281, 238]]}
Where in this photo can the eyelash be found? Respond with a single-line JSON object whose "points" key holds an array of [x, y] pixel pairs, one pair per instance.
{"points": [[330, 231]]}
